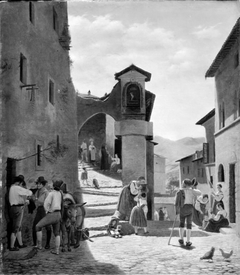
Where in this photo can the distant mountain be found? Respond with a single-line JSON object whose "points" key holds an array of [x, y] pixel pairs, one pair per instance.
{"points": [[175, 150]]}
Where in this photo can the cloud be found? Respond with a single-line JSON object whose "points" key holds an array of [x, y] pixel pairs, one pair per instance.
{"points": [[203, 32], [102, 46]]}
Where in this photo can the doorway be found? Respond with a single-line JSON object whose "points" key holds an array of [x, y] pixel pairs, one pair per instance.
{"points": [[232, 194]]}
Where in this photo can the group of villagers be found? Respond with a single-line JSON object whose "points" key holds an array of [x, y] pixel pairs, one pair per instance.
{"points": [[48, 203], [195, 207]]}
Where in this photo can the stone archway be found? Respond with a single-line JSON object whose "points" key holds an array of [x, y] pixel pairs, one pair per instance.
{"points": [[130, 105]]}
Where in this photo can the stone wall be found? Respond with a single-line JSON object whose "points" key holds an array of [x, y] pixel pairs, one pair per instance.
{"points": [[30, 118], [159, 174], [227, 139], [94, 128]]}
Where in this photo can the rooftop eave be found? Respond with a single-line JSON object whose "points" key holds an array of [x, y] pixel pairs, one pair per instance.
{"points": [[206, 117], [230, 41], [135, 68]]}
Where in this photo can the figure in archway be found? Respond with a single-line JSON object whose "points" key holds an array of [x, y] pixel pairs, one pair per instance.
{"points": [[92, 152], [104, 158], [84, 151]]}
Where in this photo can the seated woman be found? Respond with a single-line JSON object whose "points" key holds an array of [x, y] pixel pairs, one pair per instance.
{"points": [[218, 221], [217, 197], [201, 211], [116, 164]]}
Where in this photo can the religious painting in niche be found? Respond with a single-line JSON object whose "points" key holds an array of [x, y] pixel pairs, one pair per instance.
{"points": [[133, 96]]}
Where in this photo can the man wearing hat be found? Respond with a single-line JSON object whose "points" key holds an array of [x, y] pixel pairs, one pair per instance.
{"points": [[52, 206], [17, 198], [39, 198]]}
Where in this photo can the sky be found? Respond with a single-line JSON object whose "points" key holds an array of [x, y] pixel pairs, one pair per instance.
{"points": [[175, 41]]}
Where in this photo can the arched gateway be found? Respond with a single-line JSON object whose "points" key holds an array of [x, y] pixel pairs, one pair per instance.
{"points": [[130, 104]]}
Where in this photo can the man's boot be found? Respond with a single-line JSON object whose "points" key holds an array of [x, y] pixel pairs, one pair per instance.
{"points": [[79, 234], [49, 234]]}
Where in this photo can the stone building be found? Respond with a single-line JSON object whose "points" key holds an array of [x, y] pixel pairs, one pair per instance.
{"points": [[159, 174], [192, 166], [225, 70], [39, 129], [208, 122], [121, 119]]}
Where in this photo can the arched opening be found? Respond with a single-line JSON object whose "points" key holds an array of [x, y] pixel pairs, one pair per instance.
{"points": [[221, 177], [104, 180]]}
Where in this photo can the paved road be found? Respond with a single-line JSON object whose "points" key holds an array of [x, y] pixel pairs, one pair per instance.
{"points": [[133, 254]]}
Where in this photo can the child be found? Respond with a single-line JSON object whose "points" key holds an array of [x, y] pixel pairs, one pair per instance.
{"points": [[186, 209], [138, 217], [84, 176]]}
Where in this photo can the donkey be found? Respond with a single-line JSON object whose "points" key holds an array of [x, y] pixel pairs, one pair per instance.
{"points": [[69, 218]]}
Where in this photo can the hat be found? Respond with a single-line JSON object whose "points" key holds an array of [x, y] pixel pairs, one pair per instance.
{"points": [[17, 179], [57, 183], [41, 180]]}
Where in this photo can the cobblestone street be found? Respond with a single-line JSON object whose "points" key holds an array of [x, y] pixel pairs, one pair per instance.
{"points": [[132, 254]]}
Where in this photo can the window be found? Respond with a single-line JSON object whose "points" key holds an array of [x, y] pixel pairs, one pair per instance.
{"points": [[31, 13], [188, 170], [221, 116], [238, 103], [55, 20], [58, 143], [39, 155], [221, 177], [235, 105], [51, 92], [183, 170], [199, 173], [23, 69], [236, 60]]}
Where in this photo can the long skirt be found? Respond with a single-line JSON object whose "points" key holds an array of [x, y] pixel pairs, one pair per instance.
{"points": [[214, 226], [137, 217]]}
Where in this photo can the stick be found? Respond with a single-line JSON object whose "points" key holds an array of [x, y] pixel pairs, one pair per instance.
{"points": [[172, 229]]}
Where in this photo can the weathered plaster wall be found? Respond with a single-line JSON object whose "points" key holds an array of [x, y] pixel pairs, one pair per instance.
{"points": [[30, 121], [227, 139], [159, 175]]}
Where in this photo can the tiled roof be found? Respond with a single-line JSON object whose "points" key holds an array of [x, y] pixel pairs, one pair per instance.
{"points": [[230, 41]]}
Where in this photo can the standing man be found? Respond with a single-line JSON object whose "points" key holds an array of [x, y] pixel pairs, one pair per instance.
{"points": [[84, 151], [39, 199], [17, 198], [53, 205]]}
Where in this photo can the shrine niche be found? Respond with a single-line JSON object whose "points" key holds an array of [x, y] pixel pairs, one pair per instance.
{"points": [[133, 94]]}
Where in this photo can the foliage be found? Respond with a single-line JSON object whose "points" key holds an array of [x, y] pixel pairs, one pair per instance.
{"points": [[172, 185]]}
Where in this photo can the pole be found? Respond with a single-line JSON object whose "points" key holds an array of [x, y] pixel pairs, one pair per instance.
{"points": [[172, 229]]}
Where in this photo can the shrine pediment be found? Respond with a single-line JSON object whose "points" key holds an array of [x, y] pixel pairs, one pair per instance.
{"points": [[131, 70]]}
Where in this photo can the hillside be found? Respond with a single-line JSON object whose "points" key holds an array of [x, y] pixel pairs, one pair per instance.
{"points": [[175, 150]]}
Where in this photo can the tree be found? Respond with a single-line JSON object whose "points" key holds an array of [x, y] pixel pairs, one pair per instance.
{"points": [[172, 185]]}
